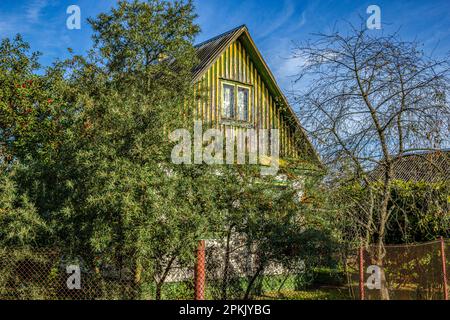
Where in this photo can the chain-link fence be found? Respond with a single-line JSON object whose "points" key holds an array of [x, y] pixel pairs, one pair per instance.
{"points": [[218, 272], [48, 274], [224, 271], [400, 272], [238, 270]]}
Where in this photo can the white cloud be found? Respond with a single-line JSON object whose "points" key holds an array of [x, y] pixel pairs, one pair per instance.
{"points": [[6, 26], [302, 21], [34, 10], [289, 67], [22, 21], [287, 70], [283, 17]]}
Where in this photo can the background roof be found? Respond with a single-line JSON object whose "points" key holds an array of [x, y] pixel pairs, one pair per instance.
{"points": [[430, 166]]}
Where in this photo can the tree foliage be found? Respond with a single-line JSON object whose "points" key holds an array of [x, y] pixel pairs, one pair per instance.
{"points": [[86, 159]]}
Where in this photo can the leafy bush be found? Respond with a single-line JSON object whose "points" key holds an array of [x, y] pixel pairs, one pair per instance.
{"points": [[420, 212]]}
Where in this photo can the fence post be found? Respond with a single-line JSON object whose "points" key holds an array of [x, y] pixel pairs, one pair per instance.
{"points": [[200, 274], [444, 268], [361, 273]]}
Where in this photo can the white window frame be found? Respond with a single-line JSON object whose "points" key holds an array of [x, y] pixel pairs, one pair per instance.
{"points": [[237, 86]]}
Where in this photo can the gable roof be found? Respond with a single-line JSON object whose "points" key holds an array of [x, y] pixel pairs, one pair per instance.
{"points": [[429, 166], [209, 51]]}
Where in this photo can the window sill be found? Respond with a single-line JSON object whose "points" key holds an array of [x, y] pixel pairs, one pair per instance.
{"points": [[237, 123]]}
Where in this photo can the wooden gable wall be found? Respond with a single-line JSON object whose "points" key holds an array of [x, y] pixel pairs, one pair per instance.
{"points": [[236, 65]]}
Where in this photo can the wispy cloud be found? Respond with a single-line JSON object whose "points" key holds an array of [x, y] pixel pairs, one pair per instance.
{"points": [[278, 21], [41, 23], [34, 10], [7, 26], [24, 20], [302, 21], [289, 67]]}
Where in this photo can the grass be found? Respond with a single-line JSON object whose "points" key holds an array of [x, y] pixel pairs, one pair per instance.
{"points": [[322, 293]]}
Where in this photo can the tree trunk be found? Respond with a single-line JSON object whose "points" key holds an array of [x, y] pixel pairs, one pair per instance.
{"points": [[252, 281], [158, 290], [384, 216], [162, 280], [384, 290]]}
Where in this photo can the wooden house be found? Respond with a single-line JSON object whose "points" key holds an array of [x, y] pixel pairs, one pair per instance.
{"points": [[241, 93]]}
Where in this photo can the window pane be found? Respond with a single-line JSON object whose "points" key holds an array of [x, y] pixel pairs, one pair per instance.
{"points": [[228, 101], [243, 95]]}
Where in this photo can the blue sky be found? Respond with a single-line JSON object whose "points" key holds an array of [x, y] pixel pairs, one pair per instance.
{"points": [[275, 25]]}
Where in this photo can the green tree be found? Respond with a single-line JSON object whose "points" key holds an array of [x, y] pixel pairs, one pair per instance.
{"points": [[29, 111], [120, 196], [95, 174], [107, 187], [20, 223]]}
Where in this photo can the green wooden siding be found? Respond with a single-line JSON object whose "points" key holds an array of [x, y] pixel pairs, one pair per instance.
{"points": [[236, 65]]}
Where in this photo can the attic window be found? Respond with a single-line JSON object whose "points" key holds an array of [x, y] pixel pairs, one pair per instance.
{"points": [[235, 101], [228, 108]]}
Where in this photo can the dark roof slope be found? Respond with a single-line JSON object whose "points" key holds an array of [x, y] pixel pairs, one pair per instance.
{"points": [[208, 50], [432, 166]]}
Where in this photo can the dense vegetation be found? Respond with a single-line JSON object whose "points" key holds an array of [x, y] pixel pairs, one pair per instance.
{"points": [[86, 160], [85, 164]]}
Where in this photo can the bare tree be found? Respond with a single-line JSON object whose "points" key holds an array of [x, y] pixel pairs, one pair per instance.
{"points": [[369, 101]]}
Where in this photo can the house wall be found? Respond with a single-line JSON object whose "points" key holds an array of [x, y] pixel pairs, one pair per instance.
{"points": [[236, 65]]}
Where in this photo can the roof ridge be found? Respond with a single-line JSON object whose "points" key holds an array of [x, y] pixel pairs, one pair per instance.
{"points": [[220, 36], [425, 152]]}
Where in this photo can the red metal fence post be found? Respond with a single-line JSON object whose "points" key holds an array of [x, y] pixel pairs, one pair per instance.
{"points": [[200, 274], [444, 268], [361, 273]]}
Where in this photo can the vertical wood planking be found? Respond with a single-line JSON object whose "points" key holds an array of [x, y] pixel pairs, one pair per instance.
{"points": [[265, 111]]}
